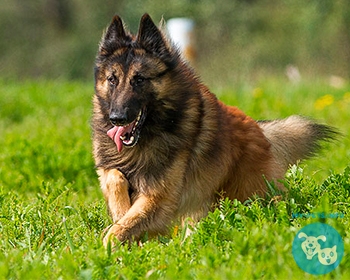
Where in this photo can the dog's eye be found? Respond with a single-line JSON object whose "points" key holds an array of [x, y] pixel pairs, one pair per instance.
{"points": [[138, 80], [113, 81]]}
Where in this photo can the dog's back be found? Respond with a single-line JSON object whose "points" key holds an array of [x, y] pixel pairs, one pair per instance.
{"points": [[264, 150]]}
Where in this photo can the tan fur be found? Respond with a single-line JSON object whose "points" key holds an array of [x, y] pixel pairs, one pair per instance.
{"points": [[193, 149], [291, 138], [115, 190]]}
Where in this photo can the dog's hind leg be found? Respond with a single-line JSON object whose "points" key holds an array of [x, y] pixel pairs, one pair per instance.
{"points": [[115, 188]]}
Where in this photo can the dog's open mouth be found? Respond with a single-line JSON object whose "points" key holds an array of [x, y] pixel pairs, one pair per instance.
{"points": [[128, 135], [310, 251]]}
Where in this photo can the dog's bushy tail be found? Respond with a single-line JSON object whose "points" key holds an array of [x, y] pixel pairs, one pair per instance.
{"points": [[295, 138]]}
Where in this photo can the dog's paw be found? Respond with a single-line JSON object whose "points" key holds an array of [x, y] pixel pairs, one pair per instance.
{"points": [[115, 234]]}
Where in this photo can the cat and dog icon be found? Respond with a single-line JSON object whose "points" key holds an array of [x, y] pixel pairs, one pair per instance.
{"points": [[312, 247], [318, 248]]}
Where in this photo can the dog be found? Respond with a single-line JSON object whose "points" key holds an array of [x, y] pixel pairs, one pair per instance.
{"points": [[310, 245], [166, 148]]}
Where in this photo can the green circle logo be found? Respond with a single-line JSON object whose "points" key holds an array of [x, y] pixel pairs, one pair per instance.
{"points": [[318, 248]]}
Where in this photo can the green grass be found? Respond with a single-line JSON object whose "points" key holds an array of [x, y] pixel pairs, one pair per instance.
{"points": [[52, 213]]}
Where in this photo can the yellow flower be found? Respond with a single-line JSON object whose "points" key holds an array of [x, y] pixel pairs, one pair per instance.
{"points": [[324, 101]]}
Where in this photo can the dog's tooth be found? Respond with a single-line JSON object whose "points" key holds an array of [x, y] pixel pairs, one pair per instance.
{"points": [[138, 117], [122, 137], [132, 139]]}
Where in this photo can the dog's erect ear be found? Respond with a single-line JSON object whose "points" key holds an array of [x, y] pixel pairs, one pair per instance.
{"points": [[150, 37], [115, 30], [115, 33]]}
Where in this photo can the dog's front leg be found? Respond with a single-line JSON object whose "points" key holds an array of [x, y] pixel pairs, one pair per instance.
{"points": [[115, 188], [150, 214]]}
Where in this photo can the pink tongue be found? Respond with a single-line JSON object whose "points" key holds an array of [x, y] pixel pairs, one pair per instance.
{"points": [[116, 131]]}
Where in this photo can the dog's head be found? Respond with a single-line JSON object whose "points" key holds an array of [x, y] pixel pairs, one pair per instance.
{"points": [[310, 245], [131, 75]]}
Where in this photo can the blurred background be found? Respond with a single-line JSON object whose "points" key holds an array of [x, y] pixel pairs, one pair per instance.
{"points": [[236, 40]]}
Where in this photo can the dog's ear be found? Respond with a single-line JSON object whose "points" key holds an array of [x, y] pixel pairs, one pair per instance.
{"points": [[115, 33], [322, 237], [150, 37], [302, 235], [115, 30]]}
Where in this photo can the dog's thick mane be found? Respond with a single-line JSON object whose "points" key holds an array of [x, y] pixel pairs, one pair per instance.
{"points": [[164, 122]]}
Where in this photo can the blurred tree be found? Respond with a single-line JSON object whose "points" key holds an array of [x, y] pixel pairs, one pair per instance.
{"points": [[236, 39], [59, 13]]}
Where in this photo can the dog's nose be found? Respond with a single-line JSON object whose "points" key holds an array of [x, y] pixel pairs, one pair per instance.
{"points": [[118, 118]]}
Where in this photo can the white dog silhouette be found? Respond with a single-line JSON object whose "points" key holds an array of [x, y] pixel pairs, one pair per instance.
{"points": [[311, 246]]}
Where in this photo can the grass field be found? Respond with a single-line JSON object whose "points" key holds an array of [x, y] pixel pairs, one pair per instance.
{"points": [[52, 212]]}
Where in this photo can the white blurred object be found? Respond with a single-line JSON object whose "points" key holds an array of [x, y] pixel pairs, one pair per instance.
{"points": [[293, 73], [181, 32], [337, 82]]}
